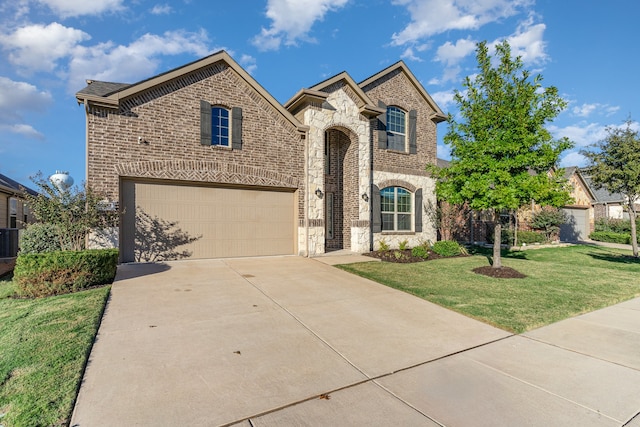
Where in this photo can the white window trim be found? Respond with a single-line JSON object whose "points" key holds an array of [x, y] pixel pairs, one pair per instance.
{"points": [[395, 211]]}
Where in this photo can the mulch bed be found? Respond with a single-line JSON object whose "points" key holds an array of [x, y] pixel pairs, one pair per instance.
{"points": [[500, 273], [401, 256], [7, 266]]}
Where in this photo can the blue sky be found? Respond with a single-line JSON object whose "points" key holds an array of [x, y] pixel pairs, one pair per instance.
{"points": [[49, 48]]}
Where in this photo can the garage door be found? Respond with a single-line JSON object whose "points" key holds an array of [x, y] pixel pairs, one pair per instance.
{"points": [[577, 225], [166, 221]]}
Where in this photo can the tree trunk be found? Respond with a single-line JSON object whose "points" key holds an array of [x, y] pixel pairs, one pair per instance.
{"points": [[632, 217], [497, 239]]}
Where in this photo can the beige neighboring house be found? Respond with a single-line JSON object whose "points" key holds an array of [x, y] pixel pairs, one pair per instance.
{"points": [[14, 212], [203, 158], [580, 214], [14, 215]]}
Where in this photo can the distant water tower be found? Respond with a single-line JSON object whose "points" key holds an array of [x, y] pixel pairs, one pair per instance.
{"points": [[62, 180]]}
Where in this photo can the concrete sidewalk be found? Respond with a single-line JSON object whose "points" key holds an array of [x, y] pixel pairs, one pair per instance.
{"points": [[292, 341]]}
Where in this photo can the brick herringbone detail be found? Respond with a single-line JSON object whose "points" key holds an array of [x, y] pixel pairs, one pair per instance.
{"points": [[202, 171]]}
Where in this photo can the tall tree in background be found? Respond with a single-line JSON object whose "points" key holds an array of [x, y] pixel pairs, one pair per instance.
{"points": [[615, 166], [502, 155]]}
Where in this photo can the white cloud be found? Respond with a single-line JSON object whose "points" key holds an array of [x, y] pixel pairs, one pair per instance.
{"points": [[161, 9], [70, 8], [431, 17], [23, 130], [527, 42], [20, 97], [582, 134], [292, 21], [131, 63], [409, 55], [573, 158], [452, 54], [38, 47], [450, 74], [444, 99], [248, 62], [585, 110]]}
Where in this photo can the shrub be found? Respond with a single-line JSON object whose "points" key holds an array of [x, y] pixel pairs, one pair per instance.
{"points": [[611, 237], [615, 225], [549, 220], [530, 237], [447, 248], [420, 252], [403, 245], [383, 245], [61, 272], [40, 237]]}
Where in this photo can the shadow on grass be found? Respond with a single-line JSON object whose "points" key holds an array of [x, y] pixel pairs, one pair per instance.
{"points": [[488, 253], [618, 258]]}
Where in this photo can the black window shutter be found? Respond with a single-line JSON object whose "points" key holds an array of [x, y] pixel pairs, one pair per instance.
{"points": [[376, 224], [236, 131], [413, 119], [418, 211], [382, 127], [205, 123]]}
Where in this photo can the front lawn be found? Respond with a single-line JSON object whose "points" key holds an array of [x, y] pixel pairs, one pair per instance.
{"points": [[560, 283], [43, 347]]}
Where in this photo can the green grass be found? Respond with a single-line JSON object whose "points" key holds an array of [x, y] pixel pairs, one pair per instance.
{"points": [[560, 283], [44, 344]]}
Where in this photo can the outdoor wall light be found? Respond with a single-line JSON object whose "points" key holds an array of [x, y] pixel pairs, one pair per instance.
{"points": [[319, 193], [365, 197]]}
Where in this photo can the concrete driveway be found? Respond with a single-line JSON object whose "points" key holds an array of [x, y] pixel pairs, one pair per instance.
{"points": [[293, 341]]}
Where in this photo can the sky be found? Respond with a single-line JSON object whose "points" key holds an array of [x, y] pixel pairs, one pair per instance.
{"points": [[49, 48]]}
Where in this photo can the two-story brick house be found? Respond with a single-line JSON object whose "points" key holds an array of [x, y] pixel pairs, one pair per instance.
{"points": [[204, 155]]}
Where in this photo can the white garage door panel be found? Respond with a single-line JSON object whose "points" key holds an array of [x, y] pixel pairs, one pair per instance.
{"points": [[577, 225], [228, 222]]}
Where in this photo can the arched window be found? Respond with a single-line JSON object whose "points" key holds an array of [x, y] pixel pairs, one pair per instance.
{"points": [[396, 129], [395, 207]]}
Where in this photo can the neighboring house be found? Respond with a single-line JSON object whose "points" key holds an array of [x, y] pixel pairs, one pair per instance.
{"points": [[605, 204], [206, 154], [580, 214], [14, 212]]}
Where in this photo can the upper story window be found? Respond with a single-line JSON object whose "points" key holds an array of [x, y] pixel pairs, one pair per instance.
{"points": [[395, 207], [13, 213], [220, 126], [396, 129]]}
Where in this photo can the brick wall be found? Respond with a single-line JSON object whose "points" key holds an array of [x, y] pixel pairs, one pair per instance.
{"points": [[396, 89], [167, 118]]}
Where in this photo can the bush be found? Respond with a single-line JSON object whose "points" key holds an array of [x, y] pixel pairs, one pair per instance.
{"points": [[40, 237], [611, 237], [61, 272], [507, 237], [384, 246], [447, 248], [530, 237], [420, 252], [548, 219], [615, 225]]}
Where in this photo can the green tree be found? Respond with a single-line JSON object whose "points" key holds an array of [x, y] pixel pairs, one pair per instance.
{"points": [[75, 213], [615, 166], [502, 155]]}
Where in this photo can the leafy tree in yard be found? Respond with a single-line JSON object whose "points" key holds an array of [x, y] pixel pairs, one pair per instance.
{"points": [[615, 165], [74, 213], [548, 219], [502, 155]]}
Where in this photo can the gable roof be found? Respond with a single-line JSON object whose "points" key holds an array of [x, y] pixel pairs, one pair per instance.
{"points": [[601, 195], [366, 106], [438, 116], [8, 185], [108, 94]]}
